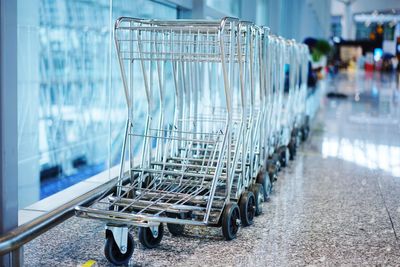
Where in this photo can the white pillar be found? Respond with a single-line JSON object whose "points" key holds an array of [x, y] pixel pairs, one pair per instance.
{"points": [[8, 127], [348, 21]]}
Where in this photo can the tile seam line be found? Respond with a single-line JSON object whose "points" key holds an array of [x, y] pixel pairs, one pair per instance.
{"points": [[387, 210]]}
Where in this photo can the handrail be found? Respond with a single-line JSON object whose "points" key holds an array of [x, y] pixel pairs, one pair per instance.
{"points": [[21, 235]]}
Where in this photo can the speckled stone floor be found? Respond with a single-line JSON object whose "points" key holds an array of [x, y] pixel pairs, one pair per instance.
{"points": [[336, 204]]}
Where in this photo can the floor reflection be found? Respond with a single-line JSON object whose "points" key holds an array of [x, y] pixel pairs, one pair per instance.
{"points": [[364, 128], [363, 153]]}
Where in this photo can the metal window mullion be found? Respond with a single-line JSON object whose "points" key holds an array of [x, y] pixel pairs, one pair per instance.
{"points": [[8, 125]]}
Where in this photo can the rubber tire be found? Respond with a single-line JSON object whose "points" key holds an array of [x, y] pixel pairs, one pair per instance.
{"points": [[272, 171], [292, 148], [175, 229], [284, 156], [258, 191], [114, 255], [305, 132], [265, 181], [247, 206], [230, 215], [276, 158], [147, 239], [296, 134], [306, 128], [147, 181]]}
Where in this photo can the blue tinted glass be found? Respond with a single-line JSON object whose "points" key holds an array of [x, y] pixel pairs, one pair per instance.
{"points": [[70, 101]]}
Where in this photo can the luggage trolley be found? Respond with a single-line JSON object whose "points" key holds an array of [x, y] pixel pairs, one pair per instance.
{"points": [[188, 168], [242, 189], [249, 112], [274, 75], [303, 120], [261, 110], [297, 119], [288, 105], [289, 135]]}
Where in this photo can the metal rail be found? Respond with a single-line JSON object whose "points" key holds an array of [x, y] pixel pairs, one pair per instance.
{"points": [[16, 238]]}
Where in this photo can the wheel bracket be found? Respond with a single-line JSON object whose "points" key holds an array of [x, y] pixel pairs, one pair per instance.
{"points": [[154, 231], [120, 234]]}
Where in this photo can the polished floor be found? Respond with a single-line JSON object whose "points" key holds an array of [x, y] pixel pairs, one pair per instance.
{"points": [[338, 203]]}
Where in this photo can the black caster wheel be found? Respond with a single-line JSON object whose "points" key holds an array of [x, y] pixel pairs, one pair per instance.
{"points": [[264, 180], [284, 156], [297, 136], [258, 191], [230, 221], [272, 171], [175, 229], [147, 239], [247, 206], [306, 128], [114, 254], [276, 158], [292, 148], [305, 132], [147, 182]]}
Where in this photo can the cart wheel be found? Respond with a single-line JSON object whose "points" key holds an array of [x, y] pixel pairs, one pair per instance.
{"points": [[264, 180], [297, 135], [230, 221], [276, 158], [147, 238], [147, 181], [292, 148], [306, 128], [284, 156], [247, 205], [175, 229], [272, 171], [258, 191], [305, 132], [113, 253]]}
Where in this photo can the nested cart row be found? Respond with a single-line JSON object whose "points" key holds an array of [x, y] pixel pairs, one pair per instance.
{"points": [[238, 117]]}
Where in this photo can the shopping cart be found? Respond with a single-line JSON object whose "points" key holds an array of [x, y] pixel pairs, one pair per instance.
{"points": [[298, 121], [289, 123], [288, 141], [213, 158], [273, 69], [193, 170], [261, 109], [303, 120]]}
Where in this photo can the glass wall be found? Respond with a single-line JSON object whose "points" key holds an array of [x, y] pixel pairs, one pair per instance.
{"points": [[231, 7], [71, 106], [336, 26], [375, 31]]}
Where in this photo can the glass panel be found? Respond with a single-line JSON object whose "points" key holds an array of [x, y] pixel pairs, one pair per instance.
{"points": [[71, 106], [63, 56], [230, 7]]}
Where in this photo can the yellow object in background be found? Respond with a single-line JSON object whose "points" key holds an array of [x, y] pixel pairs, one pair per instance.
{"points": [[352, 66], [89, 263]]}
